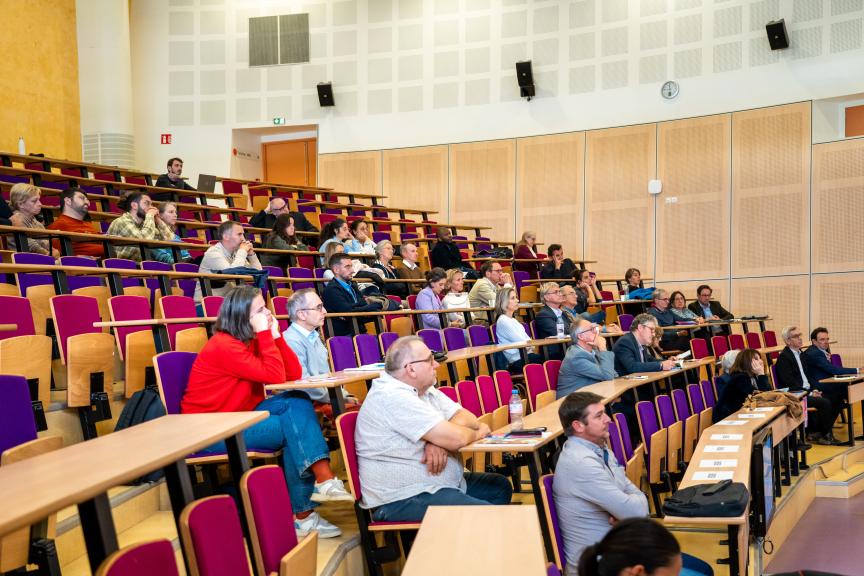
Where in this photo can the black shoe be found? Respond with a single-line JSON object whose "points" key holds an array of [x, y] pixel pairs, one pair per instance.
{"points": [[834, 442], [822, 440], [804, 446]]}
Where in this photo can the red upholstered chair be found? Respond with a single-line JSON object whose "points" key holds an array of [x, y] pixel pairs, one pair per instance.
{"points": [[181, 307], [375, 554], [279, 305], [142, 559], [699, 348], [450, 392], [736, 342], [212, 538], [212, 304], [535, 382], [719, 345], [135, 343], [753, 340], [469, 397], [275, 545], [552, 368]]}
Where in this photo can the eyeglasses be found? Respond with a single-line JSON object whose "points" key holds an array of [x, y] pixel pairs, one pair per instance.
{"points": [[319, 308], [795, 335], [592, 328], [497, 270], [428, 360], [662, 299]]}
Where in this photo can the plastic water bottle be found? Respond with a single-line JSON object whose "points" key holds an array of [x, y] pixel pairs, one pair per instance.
{"points": [[515, 410], [22, 150], [559, 328]]}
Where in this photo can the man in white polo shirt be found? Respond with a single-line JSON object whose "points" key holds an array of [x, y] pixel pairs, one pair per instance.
{"points": [[408, 439]]}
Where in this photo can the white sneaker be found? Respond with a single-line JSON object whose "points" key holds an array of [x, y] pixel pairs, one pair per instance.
{"points": [[332, 490], [314, 522]]}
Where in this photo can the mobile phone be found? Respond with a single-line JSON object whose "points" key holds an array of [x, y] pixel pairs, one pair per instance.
{"points": [[526, 432]]}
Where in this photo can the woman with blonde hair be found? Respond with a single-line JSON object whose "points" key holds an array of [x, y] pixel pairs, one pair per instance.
{"points": [[526, 249], [455, 296], [509, 330], [26, 205]]}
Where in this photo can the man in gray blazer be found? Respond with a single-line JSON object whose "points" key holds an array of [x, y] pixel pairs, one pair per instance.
{"points": [[587, 360]]}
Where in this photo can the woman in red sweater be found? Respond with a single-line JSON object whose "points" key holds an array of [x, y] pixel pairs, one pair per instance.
{"points": [[246, 352], [526, 249]]}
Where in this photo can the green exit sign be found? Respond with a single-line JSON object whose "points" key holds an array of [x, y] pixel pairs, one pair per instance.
{"points": [[279, 120]]}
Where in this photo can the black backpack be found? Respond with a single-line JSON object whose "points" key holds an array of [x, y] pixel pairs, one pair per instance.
{"points": [[723, 499], [143, 406]]}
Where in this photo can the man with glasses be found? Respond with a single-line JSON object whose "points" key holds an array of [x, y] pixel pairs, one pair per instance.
{"points": [[671, 339], [587, 361], [276, 207], [408, 438], [550, 320], [710, 309], [484, 291], [793, 373], [307, 315], [633, 351]]}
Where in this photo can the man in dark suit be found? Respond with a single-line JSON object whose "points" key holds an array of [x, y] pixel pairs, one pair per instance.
{"points": [[710, 310], [267, 218], [671, 339], [817, 359], [792, 373], [550, 317], [171, 179], [342, 295], [633, 352], [558, 267]]}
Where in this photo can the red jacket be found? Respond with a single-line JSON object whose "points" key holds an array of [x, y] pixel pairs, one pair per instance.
{"points": [[229, 376]]}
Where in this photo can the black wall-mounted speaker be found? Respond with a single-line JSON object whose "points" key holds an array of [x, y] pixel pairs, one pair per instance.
{"points": [[325, 94], [777, 36], [525, 78]]}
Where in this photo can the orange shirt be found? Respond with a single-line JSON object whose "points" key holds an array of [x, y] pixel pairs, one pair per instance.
{"points": [[68, 224]]}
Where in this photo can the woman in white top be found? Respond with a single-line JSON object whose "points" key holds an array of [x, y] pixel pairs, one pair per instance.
{"points": [[365, 282], [510, 331], [456, 296], [360, 242]]}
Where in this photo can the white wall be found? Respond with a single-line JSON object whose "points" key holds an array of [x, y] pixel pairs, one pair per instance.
{"points": [[416, 72]]}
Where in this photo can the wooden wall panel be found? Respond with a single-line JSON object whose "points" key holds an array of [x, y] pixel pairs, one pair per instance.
{"points": [[785, 298], [770, 185], [358, 172], [834, 306], [694, 159], [619, 219], [838, 205], [483, 186], [417, 178], [550, 191]]}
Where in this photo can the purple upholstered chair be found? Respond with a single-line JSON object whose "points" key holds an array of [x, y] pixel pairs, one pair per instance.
{"points": [[682, 407], [213, 539], [143, 559], [616, 444], [296, 272], [123, 264], [450, 392], [708, 394], [276, 271], [341, 353], [16, 310], [519, 278], [697, 403], [469, 397], [17, 424], [454, 338], [478, 246], [552, 368], [27, 279], [479, 335], [621, 420], [153, 283], [76, 282], [546, 486], [387, 339], [836, 360], [488, 393], [665, 410], [267, 504], [625, 321], [432, 339], [535, 382], [187, 285], [172, 375], [177, 307], [367, 348], [648, 426], [380, 236], [373, 553]]}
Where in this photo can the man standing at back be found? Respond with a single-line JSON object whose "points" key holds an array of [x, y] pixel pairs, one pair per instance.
{"points": [[276, 207], [140, 220], [171, 179], [76, 207], [232, 251]]}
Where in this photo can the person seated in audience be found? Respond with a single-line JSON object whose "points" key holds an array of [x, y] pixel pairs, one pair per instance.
{"points": [[550, 321], [171, 179], [5, 213], [678, 307], [485, 290], [75, 213], [710, 309], [266, 218], [587, 361], [726, 363], [445, 254], [509, 330], [343, 295], [139, 220], [370, 280], [632, 351], [793, 373], [429, 298], [818, 358], [334, 231], [282, 237], [591, 490], [455, 296], [558, 267], [636, 547], [360, 241], [408, 269], [384, 262], [168, 216], [671, 339], [632, 280], [586, 294], [26, 206], [246, 352], [746, 376], [526, 249], [232, 251], [408, 438]]}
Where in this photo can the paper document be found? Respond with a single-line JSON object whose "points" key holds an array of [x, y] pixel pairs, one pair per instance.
{"points": [[719, 475], [721, 448], [718, 463], [367, 368], [727, 436], [763, 409], [731, 423], [751, 415]]}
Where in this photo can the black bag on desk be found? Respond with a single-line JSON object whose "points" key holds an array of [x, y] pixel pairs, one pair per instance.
{"points": [[722, 499]]}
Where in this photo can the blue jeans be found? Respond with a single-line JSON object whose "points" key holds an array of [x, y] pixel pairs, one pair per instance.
{"points": [[598, 317], [292, 427], [483, 489]]}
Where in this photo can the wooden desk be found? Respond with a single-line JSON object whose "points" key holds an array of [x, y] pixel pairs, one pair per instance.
{"points": [[82, 473], [83, 168], [500, 540], [854, 394], [275, 188], [709, 324], [333, 381]]}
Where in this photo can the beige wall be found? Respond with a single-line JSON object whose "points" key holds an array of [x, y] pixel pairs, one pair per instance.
{"points": [[39, 84]]}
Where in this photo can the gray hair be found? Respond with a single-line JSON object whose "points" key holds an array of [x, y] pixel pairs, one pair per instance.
{"points": [[728, 359], [298, 301], [659, 293], [381, 245], [405, 245], [642, 320], [545, 288], [577, 325], [502, 298], [399, 352], [787, 332]]}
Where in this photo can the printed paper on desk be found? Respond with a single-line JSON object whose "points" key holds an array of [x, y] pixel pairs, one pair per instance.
{"points": [[718, 463], [751, 415], [762, 409], [731, 423], [727, 436], [719, 475], [722, 448]]}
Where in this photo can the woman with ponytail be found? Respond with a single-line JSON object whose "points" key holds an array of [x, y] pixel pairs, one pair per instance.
{"points": [[633, 547]]}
